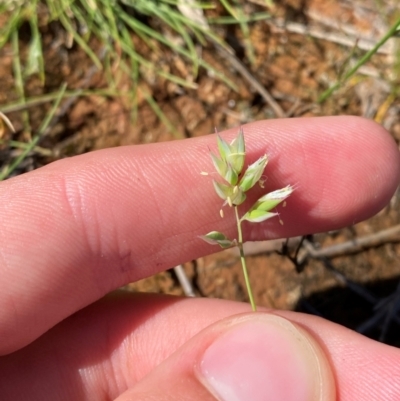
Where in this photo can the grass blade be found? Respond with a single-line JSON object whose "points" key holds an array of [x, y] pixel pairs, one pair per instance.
{"points": [[9, 169], [360, 62]]}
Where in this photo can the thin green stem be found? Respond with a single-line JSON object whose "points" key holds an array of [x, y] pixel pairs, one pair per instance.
{"points": [[361, 62], [243, 260], [32, 144], [19, 80]]}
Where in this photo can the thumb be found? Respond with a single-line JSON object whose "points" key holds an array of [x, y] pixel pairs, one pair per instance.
{"points": [[255, 357]]}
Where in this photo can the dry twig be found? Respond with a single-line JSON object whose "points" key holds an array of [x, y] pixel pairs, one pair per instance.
{"points": [[355, 245], [184, 281]]}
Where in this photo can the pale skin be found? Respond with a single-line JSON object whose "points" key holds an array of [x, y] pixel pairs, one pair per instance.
{"points": [[75, 230]]}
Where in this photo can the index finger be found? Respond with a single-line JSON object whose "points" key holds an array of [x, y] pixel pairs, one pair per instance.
{"points": [[78, 228]]}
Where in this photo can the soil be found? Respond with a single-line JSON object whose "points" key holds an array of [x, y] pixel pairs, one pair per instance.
{"points": [[295, 66]]}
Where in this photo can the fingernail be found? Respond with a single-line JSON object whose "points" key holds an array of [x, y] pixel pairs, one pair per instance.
{"points": [[266, 358]]}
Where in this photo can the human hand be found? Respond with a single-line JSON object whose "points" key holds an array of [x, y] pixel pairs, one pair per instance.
{"points": [[79, 228]]}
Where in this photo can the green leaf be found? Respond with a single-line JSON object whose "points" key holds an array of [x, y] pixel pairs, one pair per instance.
{"points": [[223, 148], [231, 175], [238, 153], [238, 196], [260, 211], [272, 199], [225, 170], [253, 174], [217, 238], [220, 165], [238, 143], [223, 191], [236, 161], [233, 155], [257, 216], [231, 194]]}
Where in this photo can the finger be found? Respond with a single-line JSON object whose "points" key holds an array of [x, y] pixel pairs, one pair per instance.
{"points": [[253, 356], [76, 229], [109, 347]]}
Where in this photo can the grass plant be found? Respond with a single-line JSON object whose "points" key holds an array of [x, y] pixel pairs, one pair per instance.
{"points": [[395, 28], [27, 148], [233, 188], [113, 24], [159, 25]]}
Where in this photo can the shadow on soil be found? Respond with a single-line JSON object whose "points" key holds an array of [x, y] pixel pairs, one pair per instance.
{"points": [[372, 309]]}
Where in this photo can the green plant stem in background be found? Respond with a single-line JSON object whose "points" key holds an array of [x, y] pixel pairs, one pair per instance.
{"points": [[227, 19], [19, 81], [118, 25], [243, 261], [159, 113], [361, 62], [31, 145], [237, 13]]}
